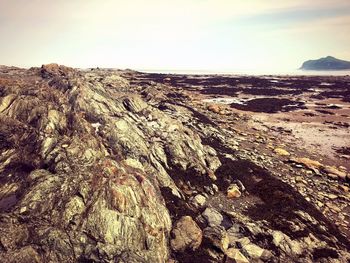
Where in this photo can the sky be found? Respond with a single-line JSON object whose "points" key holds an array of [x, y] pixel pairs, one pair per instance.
{"points": [[213, 35]]}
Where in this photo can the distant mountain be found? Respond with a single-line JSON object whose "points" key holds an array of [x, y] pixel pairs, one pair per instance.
{"points": [[327, 63]]}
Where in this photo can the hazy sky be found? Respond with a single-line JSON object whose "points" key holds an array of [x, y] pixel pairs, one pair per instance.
{"points": [[219, 35]]}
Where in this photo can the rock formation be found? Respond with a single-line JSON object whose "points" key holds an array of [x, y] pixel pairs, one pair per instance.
{"points": [[97, 166]]}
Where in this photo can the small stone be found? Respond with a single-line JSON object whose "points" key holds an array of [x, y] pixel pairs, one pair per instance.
{"points": [[320, 204], [332, 196], [342, 168], [311, 164], [333, 172], [209, 190], [233, 191], [333, 207], [187, 234], [344, 188], [235, 256], [214, 108], [281, 151], [213, 217], [199, 200], [240, 185], [299, 179], [253, 251], [217, 236]]}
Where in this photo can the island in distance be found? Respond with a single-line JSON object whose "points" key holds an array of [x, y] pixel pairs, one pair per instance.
{"points": [[326, 63]]}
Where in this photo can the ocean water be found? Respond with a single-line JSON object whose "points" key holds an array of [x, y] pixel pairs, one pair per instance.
{"points": [[249, 72]]}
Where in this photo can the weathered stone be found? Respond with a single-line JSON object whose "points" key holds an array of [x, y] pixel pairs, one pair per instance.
{"points": [[253, 251], [6, 102], [333, 172], [213, 217], [233, 191], [214, 108], [199, 200], [187, 234], [134, 103], [234, 235], [281, 151], [53, 69], [311, 164], [287, 245], [217, 236], [235, 256]]}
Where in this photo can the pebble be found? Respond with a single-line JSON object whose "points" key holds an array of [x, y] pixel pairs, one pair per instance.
{"points": [[199, 200], [333, 207], [234, 255], [281, 152], [212, 216], [233, 191]]}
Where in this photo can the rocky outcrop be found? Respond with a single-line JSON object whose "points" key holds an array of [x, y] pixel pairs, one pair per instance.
{"points": [[98, 166], [82, 166]]}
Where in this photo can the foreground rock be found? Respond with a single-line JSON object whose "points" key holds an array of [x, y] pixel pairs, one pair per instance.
{"points": [[100, 166], [187, 235], [82, 167]]}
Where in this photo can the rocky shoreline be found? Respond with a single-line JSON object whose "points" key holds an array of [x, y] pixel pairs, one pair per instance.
{"points": [[121, 166]]}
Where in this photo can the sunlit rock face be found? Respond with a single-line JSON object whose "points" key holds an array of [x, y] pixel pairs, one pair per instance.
{"points": [[116, 166], [82, 163]]}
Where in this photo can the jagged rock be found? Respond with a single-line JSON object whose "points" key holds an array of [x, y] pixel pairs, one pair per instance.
{"points": [[134, 104], [199, 200], [50, 70], [235, 256], [234, 235], [6, 101], [287, 245], [254, 251], [333, 172], [242, 242], [212, 216], [217, 236], [187, 234]]}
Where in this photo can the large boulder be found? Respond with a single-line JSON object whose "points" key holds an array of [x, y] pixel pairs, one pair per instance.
{"points": [[187, 235]]}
